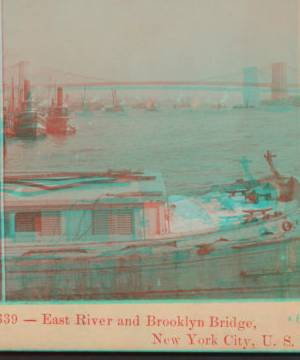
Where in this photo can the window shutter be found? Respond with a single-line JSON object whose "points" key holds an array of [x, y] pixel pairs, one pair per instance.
{"points": [[101, 222], [122, 222], [112, 222], [51, 223]]}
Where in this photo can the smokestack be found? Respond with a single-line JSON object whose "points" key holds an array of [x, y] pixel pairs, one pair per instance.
{"points": [[26, 90], [59, 96]]}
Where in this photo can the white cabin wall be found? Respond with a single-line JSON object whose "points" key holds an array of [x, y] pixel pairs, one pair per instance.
{"points": [[28, 237], [10, 226], [150, 216], [138, 224], [163, 224], [78, 226], [55, 236]]}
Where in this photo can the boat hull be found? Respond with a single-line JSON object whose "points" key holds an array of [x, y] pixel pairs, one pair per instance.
{"points": [[9, 128], [30, 124], [57, 125], [215, 265]]}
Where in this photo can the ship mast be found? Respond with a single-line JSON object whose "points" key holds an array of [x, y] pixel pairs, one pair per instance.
{"points": [[12, 95]]}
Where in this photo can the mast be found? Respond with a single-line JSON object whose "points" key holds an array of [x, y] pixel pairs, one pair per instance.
{"points": [[21, 82], [113, 94], [269, 157], [12, 95]]}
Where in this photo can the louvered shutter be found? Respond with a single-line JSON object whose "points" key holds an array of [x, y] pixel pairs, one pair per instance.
{"points": [[101, 222], [112, 222], [122, 222], [51, 223]]}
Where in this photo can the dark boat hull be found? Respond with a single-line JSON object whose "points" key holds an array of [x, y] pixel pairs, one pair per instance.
{"points": [[30, 124], [212, 266], [57, 125]]}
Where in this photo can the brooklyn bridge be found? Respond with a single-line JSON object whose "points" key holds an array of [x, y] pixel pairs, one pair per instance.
{"points": [[279, 79]]}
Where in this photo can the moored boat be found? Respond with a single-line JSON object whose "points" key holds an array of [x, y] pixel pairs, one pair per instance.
{"points": [[151, 106], [58, 119], [29, 122], [85, 112], [244, 106], [115, 105], [118, 240], [182, 103]]}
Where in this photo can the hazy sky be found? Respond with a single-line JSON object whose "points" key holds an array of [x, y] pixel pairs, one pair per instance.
{"points": [[151, 40]]}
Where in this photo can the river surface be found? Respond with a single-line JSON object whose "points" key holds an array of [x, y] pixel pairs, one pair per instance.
{"points": [[192, 150]]}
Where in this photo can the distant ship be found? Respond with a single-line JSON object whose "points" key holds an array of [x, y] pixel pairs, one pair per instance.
{"points": [[151, 106], [183, 103], [86, 112], [115, 105], [220, 109], [241, 106]]}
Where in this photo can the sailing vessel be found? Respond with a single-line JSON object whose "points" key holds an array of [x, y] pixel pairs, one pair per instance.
{"points": [[182, 103], [117, 241], [29, 122], [245, 106], [86, 112], [150, 106], [220, 109], [58, 120], [115, 105]]}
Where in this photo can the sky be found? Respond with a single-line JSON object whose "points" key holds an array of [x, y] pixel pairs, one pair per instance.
{"points": [[136, 40]]}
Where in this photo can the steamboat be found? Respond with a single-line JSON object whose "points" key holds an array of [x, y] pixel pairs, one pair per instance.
{"points": [[244, 106], [85, 112], [118, 240], [115, 105], [58, 120], [29, 122], [151, 106], [182, 103]]}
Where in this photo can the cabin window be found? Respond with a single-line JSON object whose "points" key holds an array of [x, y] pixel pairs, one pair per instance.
{"points": [[51, 223], [6, 227], [112, 222], [7, 231], [101, 222], [28, 222]]}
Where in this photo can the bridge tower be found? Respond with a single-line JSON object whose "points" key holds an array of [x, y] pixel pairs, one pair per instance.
{"points": [[279, 81], [250, 81]]}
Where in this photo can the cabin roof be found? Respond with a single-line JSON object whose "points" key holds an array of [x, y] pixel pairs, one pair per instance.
{"points": [[66, 191]]}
